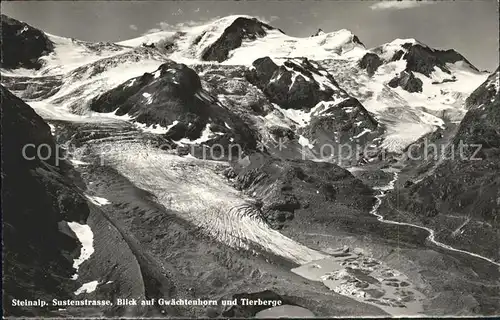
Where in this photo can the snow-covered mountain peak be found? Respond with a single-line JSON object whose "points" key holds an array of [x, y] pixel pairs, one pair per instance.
{"points": [[211, 41], [332, 45], [413, 56], [404, 83], [241, 39], [395, 49]]}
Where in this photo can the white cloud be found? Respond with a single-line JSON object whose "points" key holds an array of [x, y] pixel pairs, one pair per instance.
{"points": [[153, 30], [179, 12], [165, 26], [273, 18], [185, 24], [133, 27], [398, 5], [266, 19]]}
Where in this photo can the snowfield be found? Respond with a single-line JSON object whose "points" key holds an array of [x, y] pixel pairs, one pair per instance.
{"points": [[407, 116], [86, 238], [88, 287], [192, 42], [279, 45]]}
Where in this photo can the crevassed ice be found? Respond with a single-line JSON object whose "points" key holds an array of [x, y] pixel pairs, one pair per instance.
{"points": [[204, 198]]}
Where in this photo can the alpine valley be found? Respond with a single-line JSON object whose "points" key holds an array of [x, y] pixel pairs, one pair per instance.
{"points": [[232, 161]]}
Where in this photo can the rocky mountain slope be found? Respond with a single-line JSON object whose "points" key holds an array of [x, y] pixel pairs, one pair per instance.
{"points": [[22, 45], [461, 198], [37, 196], [233, 149]]}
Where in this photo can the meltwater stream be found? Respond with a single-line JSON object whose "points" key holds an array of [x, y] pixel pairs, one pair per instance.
{"points": [[432, 235]]}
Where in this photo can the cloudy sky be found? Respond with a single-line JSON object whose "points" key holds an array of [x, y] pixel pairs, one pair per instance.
{"points": [[470, 27]]}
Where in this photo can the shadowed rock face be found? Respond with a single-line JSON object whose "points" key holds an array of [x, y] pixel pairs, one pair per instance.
{"points": [[355, 39], [348, 119], [484, 93], [424, 59], [370, 62], [173, 97], [22, 45], [336, 119], [348, 123], [421, 59], [263, 72], [480, 124], [293, 85], [318, 33], [229, 83], [241, 29], [36, 195], [284, 186], [407, 81]]}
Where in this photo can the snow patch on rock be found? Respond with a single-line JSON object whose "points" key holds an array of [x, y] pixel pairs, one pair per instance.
{"points": [[86, 237], [98, 201], [88, 287]]}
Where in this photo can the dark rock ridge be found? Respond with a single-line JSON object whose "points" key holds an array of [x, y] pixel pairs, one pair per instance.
{"points": [[423, 59], [303, 84], [241, 29], [36, 195], [318, 33], [465, 183], [480, 124], [353, 111], [284, 186], [347, 123], [22, 45], [173, 95], [370, 62], [485, 92], [407, 81], [355, 39], [229, 83], [293, 85], [332, 122]]}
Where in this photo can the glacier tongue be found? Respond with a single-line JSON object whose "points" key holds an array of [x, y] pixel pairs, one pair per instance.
{"points": [[195, 190]]}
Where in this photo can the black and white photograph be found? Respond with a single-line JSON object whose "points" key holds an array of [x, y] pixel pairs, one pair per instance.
{"points": [[250, 159]]}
